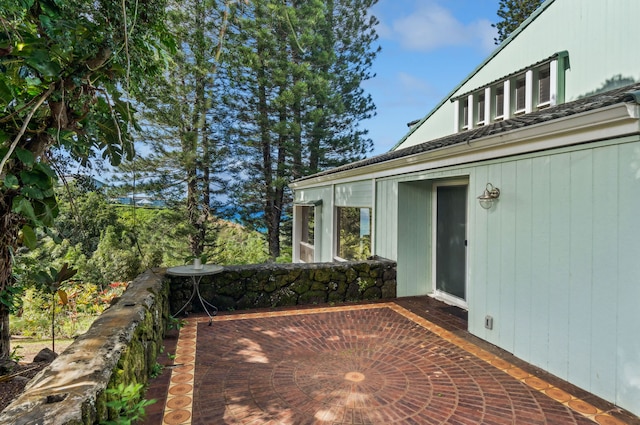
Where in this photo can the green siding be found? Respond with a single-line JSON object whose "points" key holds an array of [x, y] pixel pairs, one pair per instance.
{"points": [[627, 285], [354, 194], [596, 34], [414, 230], [555, 262]]}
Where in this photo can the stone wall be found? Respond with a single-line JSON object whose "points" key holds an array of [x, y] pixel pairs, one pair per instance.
{"points": [[121, 346], [273, 285]]}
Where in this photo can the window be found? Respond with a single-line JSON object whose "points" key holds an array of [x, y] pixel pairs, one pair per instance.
{"points": [[544, 86], [465, 115], [526, 90], [354, 233], [481, 116], [520, 94], [307, 219], [499, 99]]}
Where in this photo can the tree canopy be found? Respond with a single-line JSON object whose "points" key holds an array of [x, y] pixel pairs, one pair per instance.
{"points": [[513, 13], [68, 71]]}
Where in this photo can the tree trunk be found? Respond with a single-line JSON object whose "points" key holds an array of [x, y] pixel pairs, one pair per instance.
{"points": [[5, 336], [10, 224]]}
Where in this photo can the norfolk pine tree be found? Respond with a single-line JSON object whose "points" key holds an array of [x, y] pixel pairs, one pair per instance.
{"points": [[297, 91]]}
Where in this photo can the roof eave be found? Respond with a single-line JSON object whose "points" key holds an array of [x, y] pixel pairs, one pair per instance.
{"points": [[613, 121], [502, 45]]}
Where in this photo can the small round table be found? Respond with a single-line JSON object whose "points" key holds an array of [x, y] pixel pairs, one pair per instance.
{"points": [[196, 276]]}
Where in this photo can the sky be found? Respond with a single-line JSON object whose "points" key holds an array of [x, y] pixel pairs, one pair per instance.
{"points": [[428, 47]]}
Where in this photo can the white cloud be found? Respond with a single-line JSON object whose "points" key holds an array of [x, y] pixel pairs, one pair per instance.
{"points": [[432, 26]]}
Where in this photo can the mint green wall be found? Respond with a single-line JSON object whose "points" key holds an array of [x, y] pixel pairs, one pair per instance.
{"points": [[600, 37], [354, 194], [556, 264]]}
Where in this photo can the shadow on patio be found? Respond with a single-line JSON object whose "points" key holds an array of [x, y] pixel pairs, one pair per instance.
{"points": [[407, 361]]}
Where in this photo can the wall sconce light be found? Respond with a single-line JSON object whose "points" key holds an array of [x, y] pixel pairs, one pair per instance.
{"points": [[490, 195]]}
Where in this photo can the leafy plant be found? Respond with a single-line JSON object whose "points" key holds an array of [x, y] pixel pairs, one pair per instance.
{"points": [[128, 404], [156, 370], [52, 281], [175, 323], [14, 354]]}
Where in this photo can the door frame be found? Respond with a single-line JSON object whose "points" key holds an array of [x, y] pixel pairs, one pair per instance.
{"points": [[441, 295]]}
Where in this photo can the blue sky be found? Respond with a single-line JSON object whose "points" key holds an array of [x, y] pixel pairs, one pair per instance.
{"points": [[428, 47]]}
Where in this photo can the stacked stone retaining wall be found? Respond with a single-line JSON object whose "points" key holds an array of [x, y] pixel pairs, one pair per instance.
{"points": [[121, 346], [274, 285]]}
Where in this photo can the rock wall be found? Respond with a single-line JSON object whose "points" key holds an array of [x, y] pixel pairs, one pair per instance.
{"points": [[273, 285], [121, 346]]}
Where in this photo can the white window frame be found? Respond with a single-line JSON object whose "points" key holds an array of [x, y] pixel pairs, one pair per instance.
{"points": [[298, 230], [336, 231]]}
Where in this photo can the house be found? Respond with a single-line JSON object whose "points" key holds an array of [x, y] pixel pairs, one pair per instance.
{"points": [[516, 198]]}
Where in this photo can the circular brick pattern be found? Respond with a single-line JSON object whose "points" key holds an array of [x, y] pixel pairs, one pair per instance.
{"points": [[177, 417], [365, 366], [179, 402]]}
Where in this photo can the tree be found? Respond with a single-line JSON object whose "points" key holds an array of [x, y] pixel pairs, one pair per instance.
{"points": [[68, 71], [182, 117], [295, 75], [513, 13]]}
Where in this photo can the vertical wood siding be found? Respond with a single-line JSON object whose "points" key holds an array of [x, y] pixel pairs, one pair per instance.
{"points": [[557, 264]]}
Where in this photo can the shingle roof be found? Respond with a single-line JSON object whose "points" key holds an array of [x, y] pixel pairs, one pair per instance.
{"points": [[601, 100]]}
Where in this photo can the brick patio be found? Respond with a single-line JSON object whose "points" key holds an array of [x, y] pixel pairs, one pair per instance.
{"points": [[410, 361]]}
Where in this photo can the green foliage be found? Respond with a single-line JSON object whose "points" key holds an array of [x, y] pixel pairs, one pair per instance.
{"points": [[127, 403], [14, 354], [85, 302], [296, 70], [175, 323], [64, 67], [513, 13], [156, 370]]}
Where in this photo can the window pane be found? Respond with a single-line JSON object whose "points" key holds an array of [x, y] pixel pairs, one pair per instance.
{"points": [[500, 101], [354, 230], [308, 221], [481, 108], [544, 78], [520, 94]]}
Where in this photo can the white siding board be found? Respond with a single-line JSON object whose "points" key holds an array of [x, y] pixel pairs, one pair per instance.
{"points": [[580, 264], [493, 259], [559, 274], [605, 272], [523, 322], [387, 220], [628, 306], [354, 194], [541, 287], [508, 248], [479, 243]]}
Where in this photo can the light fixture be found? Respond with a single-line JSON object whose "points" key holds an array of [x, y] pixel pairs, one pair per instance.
{"points": [[489, 196]]}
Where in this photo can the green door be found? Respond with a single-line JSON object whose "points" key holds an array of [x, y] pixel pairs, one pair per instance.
{"points": [[451, 243]]}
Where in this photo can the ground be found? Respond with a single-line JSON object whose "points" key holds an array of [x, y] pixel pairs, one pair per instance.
{"points": [[26, 369]]}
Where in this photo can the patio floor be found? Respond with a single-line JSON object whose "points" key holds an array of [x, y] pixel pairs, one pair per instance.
{"points": [[409, 361]]}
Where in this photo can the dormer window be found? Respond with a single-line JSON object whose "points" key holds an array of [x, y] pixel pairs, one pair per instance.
{"points": [[520, 95], [480, 108], [499, 102], [544, 86], [538, 86]]}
